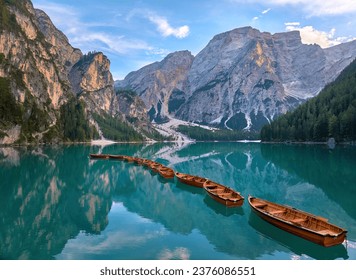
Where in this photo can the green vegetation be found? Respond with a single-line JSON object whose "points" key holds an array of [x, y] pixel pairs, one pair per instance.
{"points": [[176, 100], [128, 94], [35, 119], [74, 122], [115, 129], [201, 134], [2, 58], [30, 116], [266, 84], [331, 114], [10, 111], [7, 19]]}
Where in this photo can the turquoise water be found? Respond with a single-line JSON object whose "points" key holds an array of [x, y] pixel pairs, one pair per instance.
{"points": [[56, 203]]}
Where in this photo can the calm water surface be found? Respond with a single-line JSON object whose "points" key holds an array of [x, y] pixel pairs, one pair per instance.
{"points": [[56, 203]]}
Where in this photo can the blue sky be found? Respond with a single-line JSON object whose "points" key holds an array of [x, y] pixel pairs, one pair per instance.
{"points": [[134, 33]]}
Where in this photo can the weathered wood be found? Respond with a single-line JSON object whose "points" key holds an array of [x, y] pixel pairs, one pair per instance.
{"points": [[308, 226], [223, 194]]}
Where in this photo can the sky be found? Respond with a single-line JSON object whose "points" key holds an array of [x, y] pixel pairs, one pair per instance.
{"points": [[134, 33]]}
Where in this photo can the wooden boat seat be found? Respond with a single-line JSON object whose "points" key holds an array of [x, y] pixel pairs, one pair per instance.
{"points": [[298, 220], [260, 205], [326, 231], [277, 211]]}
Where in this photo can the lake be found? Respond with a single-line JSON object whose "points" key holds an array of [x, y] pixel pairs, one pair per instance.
{"points": [[56, 203]]}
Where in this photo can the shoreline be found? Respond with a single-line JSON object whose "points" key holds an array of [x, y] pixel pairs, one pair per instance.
{"points": [[106, 142], [351, 143]]}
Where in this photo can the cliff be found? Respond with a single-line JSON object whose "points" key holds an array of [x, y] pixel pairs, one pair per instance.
{"points": [[242, 79], [43, 78]]}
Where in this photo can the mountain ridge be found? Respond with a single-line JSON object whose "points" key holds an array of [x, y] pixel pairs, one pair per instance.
{"points": [[249, 76], [331, 114], [43, 78], [241, 80]]}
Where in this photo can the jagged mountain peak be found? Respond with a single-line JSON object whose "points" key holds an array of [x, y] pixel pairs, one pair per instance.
{"points": [[52, 90], [243, 78], [156, 82]]}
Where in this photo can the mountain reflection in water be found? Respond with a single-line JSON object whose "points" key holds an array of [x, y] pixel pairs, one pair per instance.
{"points": [[57, 203]]}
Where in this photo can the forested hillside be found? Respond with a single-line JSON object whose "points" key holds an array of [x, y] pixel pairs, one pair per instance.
{"points": [[331, 114]]}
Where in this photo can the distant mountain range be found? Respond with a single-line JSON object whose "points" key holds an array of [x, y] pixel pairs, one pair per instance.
{"points": [[331, 114], [52, 92], [242, 79]]}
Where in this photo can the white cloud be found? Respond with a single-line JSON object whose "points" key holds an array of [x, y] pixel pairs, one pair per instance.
{"points": [[63, 16], [158, 51], [266, 11], [321, 7], [310, 35], [261, 15], [81, 34], [180, 253], [313, 7], [294, 23], [166, 29], [162, 24], [109, 43]]}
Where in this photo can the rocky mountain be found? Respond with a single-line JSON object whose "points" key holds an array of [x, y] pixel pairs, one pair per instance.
{"points": [[242, 79], [52, 92], [157, 82], [332, 113], [40, 72]]}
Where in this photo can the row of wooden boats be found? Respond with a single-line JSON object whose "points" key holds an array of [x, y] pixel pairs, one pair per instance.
{"points": [[161, 169], [218, 192], [222, 194], [306, 225]]}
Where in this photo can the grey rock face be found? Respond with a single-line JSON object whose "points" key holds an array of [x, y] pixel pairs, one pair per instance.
{"points": [[243, 78], [156, 82], [64, 54], [46, 71]]}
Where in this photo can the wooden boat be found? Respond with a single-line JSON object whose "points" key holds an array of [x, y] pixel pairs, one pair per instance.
{"points": [[192, 180], [116, 157], [155, 166], [146, 162], [166, 172], [128, 158], [99, 156], [223, 194], [137, 160], [313, 228]]}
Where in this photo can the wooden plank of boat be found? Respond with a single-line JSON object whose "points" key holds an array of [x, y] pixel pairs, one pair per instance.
{"points": [[116, 157], [146, 162], [129, 158], [192, 180], [99, 156], [308, 226], [223, 194], [155, 166], [166, 172], [137, 160]]}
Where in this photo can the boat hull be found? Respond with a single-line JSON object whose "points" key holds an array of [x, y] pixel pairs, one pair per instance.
{"points": [[146, 162], [166, 172], [116, 157], [99, 156], [223, 194], [155, 166], [227, 202], [191, 180], [137, 161], [325, 240], [128, 158]]}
